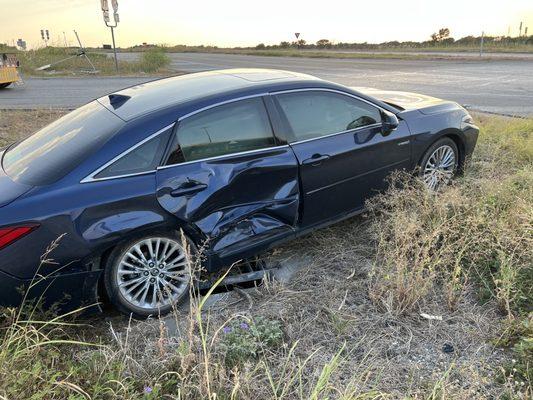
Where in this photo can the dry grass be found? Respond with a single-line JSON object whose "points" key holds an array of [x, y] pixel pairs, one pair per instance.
{"points": [[16, 125], [350, 318], [405, 53], [153, 61]]}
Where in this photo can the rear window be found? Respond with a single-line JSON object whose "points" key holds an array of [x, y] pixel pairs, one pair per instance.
{"points": [[54, 151], [144, 158]]}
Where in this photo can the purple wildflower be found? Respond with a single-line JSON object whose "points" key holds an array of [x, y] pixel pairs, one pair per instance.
{"points": [[226, 329], [148, 389], [244, 326]]}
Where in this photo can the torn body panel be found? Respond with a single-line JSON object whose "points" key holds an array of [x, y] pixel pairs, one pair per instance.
{"points": [[232, 198]]}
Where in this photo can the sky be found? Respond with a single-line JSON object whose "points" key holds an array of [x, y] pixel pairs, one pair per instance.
{"points": [[249, 22]]}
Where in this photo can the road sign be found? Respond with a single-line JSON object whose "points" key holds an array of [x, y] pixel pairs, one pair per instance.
{"points": [[47, 35], [42, 34], [22, 44], [105, 10], [297, 34], [114, 4]]}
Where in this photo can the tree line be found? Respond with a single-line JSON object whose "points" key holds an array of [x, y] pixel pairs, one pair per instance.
{"points": [[438, 39]]}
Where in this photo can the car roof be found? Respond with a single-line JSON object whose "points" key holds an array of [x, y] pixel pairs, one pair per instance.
{"points": [[141, 99]]}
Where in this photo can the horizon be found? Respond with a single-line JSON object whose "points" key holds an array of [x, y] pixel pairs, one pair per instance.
{"points": [[236, 24]]}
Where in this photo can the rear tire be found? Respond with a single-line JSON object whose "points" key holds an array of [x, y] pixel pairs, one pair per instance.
{"points": [[150, 275], [439, 164]]}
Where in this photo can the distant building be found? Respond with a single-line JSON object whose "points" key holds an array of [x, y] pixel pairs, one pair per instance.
{"points": [[21, 44]]}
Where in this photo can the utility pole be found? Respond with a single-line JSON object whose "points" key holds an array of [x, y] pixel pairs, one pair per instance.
{"points": [[481, 44], [111, 25], [520, 30]]}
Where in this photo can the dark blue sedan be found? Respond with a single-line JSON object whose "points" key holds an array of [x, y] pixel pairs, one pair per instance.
{"points": [[238, 160]]}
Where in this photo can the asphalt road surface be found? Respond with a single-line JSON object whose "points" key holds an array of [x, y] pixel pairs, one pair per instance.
{"points": [[500, 86]]}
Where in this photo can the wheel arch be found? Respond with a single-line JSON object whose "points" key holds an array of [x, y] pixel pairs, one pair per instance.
{"points": [[104, 256], [456, 136], [190, 232]]}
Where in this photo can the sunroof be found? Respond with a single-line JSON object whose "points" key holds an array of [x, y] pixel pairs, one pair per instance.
{"points": [[260, 76]]}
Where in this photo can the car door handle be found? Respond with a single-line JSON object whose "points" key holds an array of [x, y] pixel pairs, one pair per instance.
{"points": [[189, 187], [315, 160]]}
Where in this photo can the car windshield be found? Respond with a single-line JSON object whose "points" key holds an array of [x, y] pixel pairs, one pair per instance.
{"points": [[54, 151]]}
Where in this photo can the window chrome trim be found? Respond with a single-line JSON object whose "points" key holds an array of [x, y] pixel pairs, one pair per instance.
{"points": [[338, 92], [241, 153], [91, 177], [376, 125]]}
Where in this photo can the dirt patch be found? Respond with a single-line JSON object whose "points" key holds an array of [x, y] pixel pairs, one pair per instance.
{"points": [[17, 124]]}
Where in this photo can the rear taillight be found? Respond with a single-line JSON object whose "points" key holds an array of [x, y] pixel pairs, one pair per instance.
{"points": [[14, 233]]}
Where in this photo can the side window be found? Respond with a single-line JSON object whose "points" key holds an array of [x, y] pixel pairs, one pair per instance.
{"points": [[226, 129], [144, 158], [312, 114]]}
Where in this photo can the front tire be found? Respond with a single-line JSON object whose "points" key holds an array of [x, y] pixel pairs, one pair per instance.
{"points": [[439, 164], [148, 276], [4, 85]]}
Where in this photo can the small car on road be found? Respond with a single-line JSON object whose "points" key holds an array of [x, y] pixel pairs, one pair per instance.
{"points": [[237, 160]]}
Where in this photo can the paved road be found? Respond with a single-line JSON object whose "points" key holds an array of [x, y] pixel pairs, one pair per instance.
{"points": [[502, 86]]}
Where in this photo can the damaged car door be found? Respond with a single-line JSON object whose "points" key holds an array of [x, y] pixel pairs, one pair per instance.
{"points": [[228, 176]]}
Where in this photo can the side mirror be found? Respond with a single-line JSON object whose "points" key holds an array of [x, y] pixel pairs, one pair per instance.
{"points": [[389, 122]]}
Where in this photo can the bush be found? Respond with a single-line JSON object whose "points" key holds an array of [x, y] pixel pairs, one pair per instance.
{"points": [[154, 60], [477, 230], [245, 340], [475, 233]]}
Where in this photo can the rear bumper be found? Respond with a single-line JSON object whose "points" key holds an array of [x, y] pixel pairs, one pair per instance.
{"points": [[66, 292]]}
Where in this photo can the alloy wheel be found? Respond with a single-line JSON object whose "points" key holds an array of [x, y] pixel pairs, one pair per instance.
{"points": [[153, 273], [440, 167]]}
